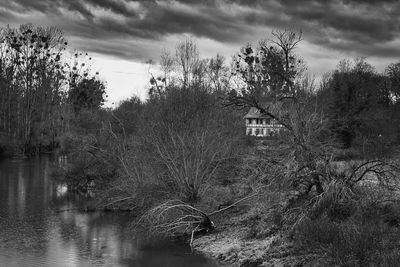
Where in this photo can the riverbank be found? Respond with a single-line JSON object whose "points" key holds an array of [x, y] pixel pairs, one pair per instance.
{"points": [[231, 245], [257, 233]]}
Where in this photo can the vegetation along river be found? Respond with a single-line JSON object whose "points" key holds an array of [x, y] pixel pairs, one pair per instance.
{"points": [[34, 233]]}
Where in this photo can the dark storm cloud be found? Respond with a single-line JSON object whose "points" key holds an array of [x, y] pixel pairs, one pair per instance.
{"points": [[374, 23], [364, 27], [167, 20]]}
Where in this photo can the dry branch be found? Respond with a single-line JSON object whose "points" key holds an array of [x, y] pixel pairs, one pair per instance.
{"points": [[175, 216]]}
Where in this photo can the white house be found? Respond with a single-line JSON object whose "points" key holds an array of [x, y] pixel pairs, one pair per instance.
{"points": [[258, 124]]}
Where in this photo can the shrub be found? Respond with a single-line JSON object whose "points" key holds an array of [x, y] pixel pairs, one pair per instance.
{"points": [[350, 243], [188, 163]]}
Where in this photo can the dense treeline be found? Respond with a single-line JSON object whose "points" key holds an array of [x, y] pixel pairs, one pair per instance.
{"points": [[362, 105], [40, 85]]}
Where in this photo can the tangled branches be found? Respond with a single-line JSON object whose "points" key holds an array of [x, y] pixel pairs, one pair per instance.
{"points": [[344, 191], [378, 172], [176, 216]]}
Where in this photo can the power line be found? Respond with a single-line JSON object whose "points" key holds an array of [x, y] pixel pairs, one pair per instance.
{"points": [[125, 72]]}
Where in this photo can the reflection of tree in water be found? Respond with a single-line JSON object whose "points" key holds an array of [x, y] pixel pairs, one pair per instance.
{"points": [[20, 234], [96, 235], [24, 192], [99, 236], [167, 254], [35, 234]]}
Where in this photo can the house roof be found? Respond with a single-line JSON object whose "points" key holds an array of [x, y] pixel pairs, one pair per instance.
{"points": [[255, 113]]}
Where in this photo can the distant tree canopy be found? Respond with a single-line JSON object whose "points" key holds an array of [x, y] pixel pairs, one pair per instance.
{"points": [[351, 96], [129, 114], [186, 69], [393, 73]]}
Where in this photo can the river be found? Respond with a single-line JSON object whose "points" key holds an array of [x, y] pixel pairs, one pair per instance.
{"points": [[33, 233]]}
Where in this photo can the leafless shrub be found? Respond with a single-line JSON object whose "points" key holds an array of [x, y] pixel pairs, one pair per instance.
{"points": [[189, 161]]}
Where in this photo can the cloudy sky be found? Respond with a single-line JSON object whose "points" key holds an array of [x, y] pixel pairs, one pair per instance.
{"points": [[122, 34]]}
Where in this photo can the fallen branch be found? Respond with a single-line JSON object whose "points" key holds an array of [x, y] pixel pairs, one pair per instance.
{"points": [[233, 204], [192, 236], [177, 216], [118, 200]]}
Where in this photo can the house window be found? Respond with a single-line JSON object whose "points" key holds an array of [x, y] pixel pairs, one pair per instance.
{"points": [[262, 132]]}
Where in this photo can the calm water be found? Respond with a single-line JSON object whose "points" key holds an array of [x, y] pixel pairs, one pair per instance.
{"points": [[33, 234]]}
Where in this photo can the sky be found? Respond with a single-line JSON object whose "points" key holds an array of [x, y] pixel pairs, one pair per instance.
{"points": [[122, 35]]}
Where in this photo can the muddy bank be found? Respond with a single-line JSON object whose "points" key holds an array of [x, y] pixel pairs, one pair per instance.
{"points": [[231, 246], [235, 252]]}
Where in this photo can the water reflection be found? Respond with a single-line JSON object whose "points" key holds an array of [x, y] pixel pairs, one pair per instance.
{"points": [[61, 190], [33, 234]]}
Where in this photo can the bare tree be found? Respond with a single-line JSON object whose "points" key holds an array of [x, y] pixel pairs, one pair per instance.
{"points": [[189, 69], [219, 74], [187, 59], [167, 66], [199, 72]]}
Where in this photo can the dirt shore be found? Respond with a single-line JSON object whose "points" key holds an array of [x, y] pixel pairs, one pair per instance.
{"points": [[230, 251], [231, 245]]}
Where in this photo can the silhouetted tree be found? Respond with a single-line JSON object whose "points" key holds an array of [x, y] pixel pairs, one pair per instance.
{"points": [[32, 79], [350, 93], [187, 60], [87, 93], [218, 73], [36, 73], [269, 71], [393, 73]]}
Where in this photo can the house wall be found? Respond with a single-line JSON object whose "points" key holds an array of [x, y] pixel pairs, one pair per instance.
{"points": [[262, 127]]}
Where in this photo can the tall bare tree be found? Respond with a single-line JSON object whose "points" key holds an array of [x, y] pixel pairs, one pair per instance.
{"points": [[218, 73], [187, 59], [167, 66]]}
